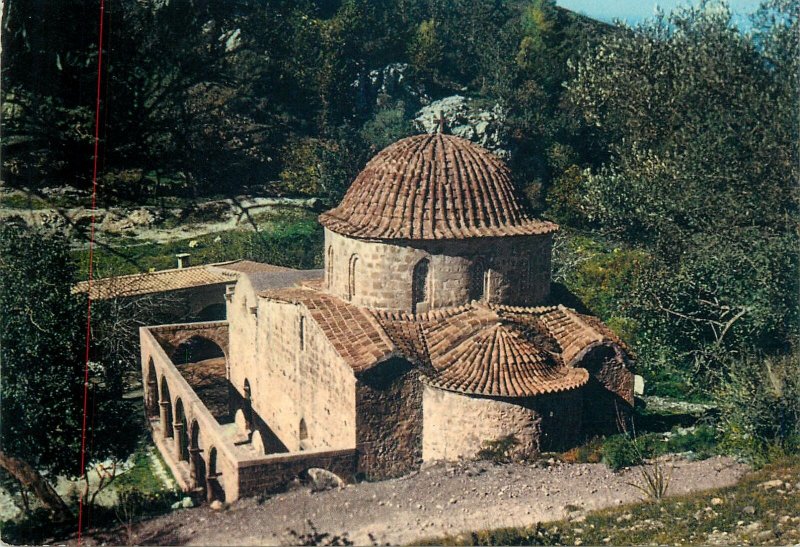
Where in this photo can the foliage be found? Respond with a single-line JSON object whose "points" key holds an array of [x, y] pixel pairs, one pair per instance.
{"points": [[532, 535], [498, 450], [759, 400], [700, 123], [297, 245], [43, 329], [621, 451]]}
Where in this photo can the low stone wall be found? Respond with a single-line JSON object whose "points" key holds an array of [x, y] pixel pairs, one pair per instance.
{"points": [[273, 473]]}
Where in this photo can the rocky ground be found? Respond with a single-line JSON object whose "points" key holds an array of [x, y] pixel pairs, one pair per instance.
{"points": [[436, 501]]}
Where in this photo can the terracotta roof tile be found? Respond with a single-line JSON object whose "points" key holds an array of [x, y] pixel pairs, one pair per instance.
{"points": [[433, 187], [154, 282], [354, 333]]}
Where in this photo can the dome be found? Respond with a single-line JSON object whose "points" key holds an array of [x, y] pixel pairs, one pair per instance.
{"points": [[429, 187]]}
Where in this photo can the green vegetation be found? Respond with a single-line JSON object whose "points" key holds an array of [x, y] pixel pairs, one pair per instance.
{"points": [[761, 510], [294, 242], [43, 345]]}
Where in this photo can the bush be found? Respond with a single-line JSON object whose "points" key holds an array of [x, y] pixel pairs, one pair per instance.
{"points": [[759, 401], [498, 450], [621, 451], [296, 245]]}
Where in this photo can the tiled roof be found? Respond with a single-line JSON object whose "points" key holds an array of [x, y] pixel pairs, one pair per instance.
{"points": [[154, 282], [478, 350], [248, 266], [354, 333], [498, 351], [433, 187]]}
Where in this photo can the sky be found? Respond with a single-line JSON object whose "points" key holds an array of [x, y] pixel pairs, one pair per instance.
{"points": [[633, 11]]}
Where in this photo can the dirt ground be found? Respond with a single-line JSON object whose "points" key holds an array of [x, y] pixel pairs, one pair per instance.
{"points": [[440, 499]]}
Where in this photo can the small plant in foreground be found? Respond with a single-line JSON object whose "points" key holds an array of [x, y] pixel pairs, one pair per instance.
{"points": [[498, 450]]}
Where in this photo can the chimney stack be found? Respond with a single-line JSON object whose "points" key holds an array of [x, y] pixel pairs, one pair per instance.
{"points": [[183, 260]]}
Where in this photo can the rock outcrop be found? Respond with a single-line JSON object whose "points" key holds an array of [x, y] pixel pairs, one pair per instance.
{"points": [[469, 119]]}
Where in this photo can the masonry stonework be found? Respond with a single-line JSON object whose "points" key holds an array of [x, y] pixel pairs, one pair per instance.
{"points": [[427, 334], [377, 274]]}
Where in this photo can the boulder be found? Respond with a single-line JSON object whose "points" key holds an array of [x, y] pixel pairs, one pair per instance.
{"points": [[469, 119], [322, 479], [390, 83]]}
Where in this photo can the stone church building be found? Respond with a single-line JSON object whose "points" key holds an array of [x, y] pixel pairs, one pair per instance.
{"points": [[429, 332]]}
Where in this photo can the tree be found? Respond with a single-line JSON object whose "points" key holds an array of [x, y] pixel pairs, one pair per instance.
{"points": [[42, 353], [701, 125]]}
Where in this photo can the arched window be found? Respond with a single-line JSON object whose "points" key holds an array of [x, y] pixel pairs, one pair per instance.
{"points": [[152, 390], [302, 333], [248, 406], [166, 409], [329, 267], [351, 284], [478, 280], [419, 284], [302, 434]]}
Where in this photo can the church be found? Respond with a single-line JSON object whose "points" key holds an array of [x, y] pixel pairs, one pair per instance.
{"points": [[429, 332]]}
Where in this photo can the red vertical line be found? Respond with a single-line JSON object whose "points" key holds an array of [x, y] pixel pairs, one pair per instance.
{"points": [[91, 258]]}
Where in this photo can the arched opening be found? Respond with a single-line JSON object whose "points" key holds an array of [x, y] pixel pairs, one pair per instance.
{"points": [[478, 280], [165, 405], [420, 286], [248, 406], [215, 490], [351, 283], [203, 365], [198, 465], [212, 312], [329, 267], [302, 433], [302, 333], [197, 349], [181, 433], [151, 387]]}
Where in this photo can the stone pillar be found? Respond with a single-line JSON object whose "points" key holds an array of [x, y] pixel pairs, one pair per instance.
{"points": [[152, 397], [163, 412], [177, 431], [194, 454]]}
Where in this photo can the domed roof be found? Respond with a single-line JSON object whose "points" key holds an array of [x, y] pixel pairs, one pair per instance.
{"points": [[433, 187]]}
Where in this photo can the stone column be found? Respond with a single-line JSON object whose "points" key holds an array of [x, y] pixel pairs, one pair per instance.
{"points": [[194, 455], [177, 431], [163, 412], [152, 397]]}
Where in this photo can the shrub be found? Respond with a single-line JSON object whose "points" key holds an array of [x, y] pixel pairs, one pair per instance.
{"points": [[621, 451], [498, 450], [295, 245], [759, 401]]}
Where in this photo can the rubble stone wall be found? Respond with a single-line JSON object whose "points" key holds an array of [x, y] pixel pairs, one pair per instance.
{"points": [[389, 420], [457, 425]]}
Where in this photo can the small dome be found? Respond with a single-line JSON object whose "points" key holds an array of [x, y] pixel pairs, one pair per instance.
{"points": [[429, 187]]}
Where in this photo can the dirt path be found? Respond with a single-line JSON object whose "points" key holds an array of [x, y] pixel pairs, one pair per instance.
{"points": [[441, 499]]}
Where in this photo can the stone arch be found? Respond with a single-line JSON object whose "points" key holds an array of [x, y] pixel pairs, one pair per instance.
{"points": [[352, 279], [248, 405], [198, 465], [165, 405], [215, 491], [329, 267], [421, 286], [196, 348], [478, 280], [151, 389], [181, 433], [212, 312], [302, 434]]}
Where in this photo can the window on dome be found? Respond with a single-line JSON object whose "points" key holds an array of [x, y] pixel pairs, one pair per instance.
{"points": [[351, 285], [419, 285], [478, 280]]}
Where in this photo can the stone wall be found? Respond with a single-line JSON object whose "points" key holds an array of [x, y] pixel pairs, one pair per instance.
{"points": [[389, 420], [290, 381], [274, 473], [609, 393], [456, 425], [379, 274]]}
